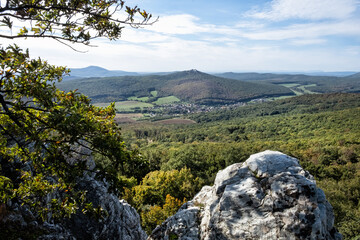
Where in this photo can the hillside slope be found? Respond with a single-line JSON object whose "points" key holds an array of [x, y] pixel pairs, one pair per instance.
{"points": [[356, 75], [321, 84], [193, 86], [310, 103]]}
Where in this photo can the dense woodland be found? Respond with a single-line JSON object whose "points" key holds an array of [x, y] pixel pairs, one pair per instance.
{"points": [[322, 131]]}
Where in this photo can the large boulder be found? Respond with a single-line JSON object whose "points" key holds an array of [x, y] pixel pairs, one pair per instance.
{"points": [[267, 197]]}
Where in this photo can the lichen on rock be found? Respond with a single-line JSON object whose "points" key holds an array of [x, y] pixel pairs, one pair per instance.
{"points": [[269, 196], [119, 221]]}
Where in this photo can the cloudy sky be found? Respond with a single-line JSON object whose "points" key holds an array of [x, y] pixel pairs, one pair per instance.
{"points": [[227, 35]]}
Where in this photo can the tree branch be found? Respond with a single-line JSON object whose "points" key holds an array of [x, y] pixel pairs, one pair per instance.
{"points": [[43, 36], [77, 10], [68, 45]]}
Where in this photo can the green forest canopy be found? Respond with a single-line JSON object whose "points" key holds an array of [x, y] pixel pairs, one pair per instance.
{"points": [[322, 131]]}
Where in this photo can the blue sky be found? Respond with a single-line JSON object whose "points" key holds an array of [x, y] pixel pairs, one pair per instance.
{"points": [[227, 35]]}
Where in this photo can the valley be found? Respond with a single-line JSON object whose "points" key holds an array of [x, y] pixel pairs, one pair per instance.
{"points": [[321, 130], [173, 94], [206, 120], [195, 124]]}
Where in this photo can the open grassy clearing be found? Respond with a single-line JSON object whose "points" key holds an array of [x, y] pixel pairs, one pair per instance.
{"points": [[298, 89], [130, 105], [303, 88], [126, 105], [166, 100], [140, 99], [297, 93], [290, 85], [154, 93]]}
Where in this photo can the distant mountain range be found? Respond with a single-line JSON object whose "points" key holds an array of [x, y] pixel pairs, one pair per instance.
{"points": [[94, 71], [320, 73]]}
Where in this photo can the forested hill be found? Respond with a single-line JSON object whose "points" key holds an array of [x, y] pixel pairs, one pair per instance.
{"points": [[320, 84], [193, 86], [356, 75], [310, 103], [205, 88]]}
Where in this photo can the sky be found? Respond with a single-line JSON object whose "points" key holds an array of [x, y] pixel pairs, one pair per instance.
{"points": [[226, 35]]}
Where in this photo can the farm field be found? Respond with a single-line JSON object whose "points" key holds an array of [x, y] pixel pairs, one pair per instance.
{"points": [[130, 105], [127, 117], [307, 91], [166, 100], [298, 89], [141, 99], [154, 93], [126, 106], [136, 104], [290, 85]]}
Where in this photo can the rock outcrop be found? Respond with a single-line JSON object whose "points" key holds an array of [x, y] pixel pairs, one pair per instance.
{"points": [[120, 221], [267, 197]]}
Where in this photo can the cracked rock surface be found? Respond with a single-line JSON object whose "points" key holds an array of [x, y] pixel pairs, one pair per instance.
{"points": [[269, 196], [121, 221]]}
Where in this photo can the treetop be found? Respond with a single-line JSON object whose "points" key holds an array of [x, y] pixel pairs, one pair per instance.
{"points": [[77, 21]]}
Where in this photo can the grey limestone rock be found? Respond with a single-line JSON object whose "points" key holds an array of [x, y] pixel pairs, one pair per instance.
{"points": [[121, 221], [267, 197]]}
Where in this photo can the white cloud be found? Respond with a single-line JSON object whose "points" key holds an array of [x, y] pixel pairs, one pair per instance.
{"points": [[302, 42], [180, 54], [307, 9], [220, 39], [249, 25], [308, 31], [179, 42], [142, 36], [178, 24], [186, 24], [353, 50]]}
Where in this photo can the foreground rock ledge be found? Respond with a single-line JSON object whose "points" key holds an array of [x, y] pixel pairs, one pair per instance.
{"points": [[267, 197]]}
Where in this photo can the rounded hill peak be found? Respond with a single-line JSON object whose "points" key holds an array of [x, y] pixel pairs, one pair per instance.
{"points": [[193, 71]]}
